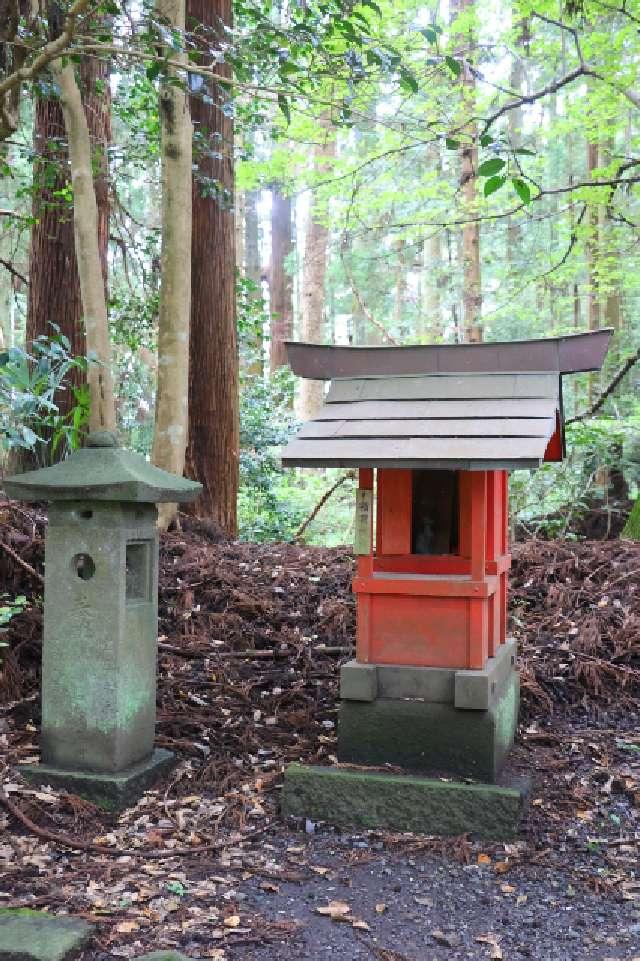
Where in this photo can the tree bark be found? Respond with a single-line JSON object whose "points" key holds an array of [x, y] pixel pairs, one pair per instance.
{"points": [[253, 271], [54, 293], [471, 268], [314, 271], [280, 280], [214, 431], [172, 392], [102, 414]]}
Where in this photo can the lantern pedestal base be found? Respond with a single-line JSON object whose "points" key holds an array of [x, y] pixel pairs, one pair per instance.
{"points": [[426, 736], [365, 800], [113, 792]]}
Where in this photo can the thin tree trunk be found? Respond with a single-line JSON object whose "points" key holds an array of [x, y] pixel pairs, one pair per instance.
{"points": [[471, 270], [213, 454], [253, 271], [54, 295], [592, 250], [280, 280], [430, 327], [314, 271], [172, 394], [102, 414]]}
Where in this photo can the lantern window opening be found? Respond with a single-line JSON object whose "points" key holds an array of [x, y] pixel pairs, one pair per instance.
{"points": [[138, 571]]}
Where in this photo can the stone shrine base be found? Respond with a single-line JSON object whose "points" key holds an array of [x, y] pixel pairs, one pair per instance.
{"points": [[349, 798], [423, 719], [113, 792]]}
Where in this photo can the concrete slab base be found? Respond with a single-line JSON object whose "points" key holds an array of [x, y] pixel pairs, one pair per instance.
{"points": [[426, 737], [164, 956], [113, 792], [27, 935], [365, 799]]}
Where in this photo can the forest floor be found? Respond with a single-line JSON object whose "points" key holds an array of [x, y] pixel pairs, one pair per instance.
{"points": [[252, 637]]}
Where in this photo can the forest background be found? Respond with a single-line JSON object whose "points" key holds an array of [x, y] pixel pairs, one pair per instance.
{"points": [[186, 185]]}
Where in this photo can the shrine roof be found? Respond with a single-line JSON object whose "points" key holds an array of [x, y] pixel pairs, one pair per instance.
{"points": [[467, 406]]}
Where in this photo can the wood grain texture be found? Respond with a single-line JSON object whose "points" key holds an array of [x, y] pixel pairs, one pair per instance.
{"points": [[445, 387]]}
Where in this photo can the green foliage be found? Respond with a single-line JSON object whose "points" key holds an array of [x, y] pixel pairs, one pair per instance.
{"points": [[551, 500], [9, 607], [30, 388]]}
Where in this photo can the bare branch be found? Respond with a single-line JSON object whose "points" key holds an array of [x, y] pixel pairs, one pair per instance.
{"points": [[12, 270], [609, 389]]}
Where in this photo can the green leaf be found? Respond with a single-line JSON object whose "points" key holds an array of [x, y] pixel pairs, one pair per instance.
{"points": [[407, 81], [430, 34], [490, 167], [283, 103], [451, 143], [493, 184], [373, 5], [522, 189], [486, 139], [525, 152], [454, 65]]}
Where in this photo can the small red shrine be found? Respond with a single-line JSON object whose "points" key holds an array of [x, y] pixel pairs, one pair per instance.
{"points": [[434, 432]]}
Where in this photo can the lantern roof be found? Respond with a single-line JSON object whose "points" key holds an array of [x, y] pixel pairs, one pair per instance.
{"points": [[102, 471], [468, 406]]}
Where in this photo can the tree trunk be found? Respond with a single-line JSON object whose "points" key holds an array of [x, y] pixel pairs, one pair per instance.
{"points": [[253, 271], [592, 251], [213, 452], [314, 271], [172, 393], [102, 414], [430, 327], [54, 293], [471, 270], [280, 280]]}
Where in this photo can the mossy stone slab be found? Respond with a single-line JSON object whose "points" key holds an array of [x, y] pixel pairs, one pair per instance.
{"points": [[27, 935], [364, 799], [165, 956]]}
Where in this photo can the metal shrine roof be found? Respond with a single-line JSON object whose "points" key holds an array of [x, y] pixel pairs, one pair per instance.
{"points": [[473, 415]]}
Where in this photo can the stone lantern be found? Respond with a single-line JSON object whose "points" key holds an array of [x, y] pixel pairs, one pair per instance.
{"points": [[100, 619]]}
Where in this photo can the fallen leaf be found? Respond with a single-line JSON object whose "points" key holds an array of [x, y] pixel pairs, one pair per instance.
{"points": [[317, 869], [507, 888], [501, 867], [484, 859], [447, 940], [381, 908], [126, 927], [360, 925], [270, 888], [233, 921], [336, 910], [492, 941]]}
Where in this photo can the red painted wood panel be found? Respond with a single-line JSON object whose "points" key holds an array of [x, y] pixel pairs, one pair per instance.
{"points": [[405, 630], [394, 511]]}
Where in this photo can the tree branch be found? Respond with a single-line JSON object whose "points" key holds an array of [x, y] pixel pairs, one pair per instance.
{"points": [[12, 270], [51, 51], [609, 389]]}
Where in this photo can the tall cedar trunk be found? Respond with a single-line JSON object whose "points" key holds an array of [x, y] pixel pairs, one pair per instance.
{"points": [[471, 271], [516, 81], [102, 414], [430, 329], [314, 271], [213, 451], [280, 280], [593, 251], [172, 392], [613, 297], [54, 291], [252, 268]]}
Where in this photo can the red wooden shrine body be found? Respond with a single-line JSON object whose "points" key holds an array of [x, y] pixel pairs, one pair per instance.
{"points": [[427, 610]]}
